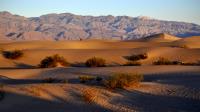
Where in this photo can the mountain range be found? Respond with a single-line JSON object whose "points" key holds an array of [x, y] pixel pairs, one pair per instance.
{"points": [[67, 26]]}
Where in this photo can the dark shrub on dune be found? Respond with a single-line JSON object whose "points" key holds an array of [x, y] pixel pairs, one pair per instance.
{"points": [[122, 80], [53, 61], [165, 61], [95, 62], [138, 57], [12, 54], [132, 63]]}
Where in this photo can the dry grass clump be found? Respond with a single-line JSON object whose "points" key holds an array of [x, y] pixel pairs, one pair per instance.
{"points": [[89, 95], [165, 61], [53, 61], [87, 78], [132, 63], [136, 57], [95, 62], [122, 80], [16, 54]]}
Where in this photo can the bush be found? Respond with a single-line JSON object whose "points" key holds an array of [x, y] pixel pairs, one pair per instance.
{"points": [[138, 57], [165, 61], [53, 61], [86, 78], [95, 62], [122, 80], [132, 63], [89, 95], [12, 54]]}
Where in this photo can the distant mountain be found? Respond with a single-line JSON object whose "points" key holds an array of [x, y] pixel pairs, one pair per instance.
{"points": [[68, 26]]}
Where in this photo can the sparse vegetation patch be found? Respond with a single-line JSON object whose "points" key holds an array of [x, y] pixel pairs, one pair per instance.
{"points": [[122, 80], [53, 61], [136, 57], [132, 63], [165, 61], [12, 54], [95, 62], [87, 78]]}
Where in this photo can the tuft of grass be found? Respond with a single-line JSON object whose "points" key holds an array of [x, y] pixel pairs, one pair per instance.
{"points": [[95, 62], [86, 78], [136, 57], [122, 80], [89, 95], [132, 63], [53, 61], [15, 54], [165, 61]]}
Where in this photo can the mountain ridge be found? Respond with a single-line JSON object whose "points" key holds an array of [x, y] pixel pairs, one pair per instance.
{"points": [[68, 26]]}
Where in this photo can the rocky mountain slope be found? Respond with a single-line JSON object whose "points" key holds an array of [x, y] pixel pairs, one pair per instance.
{"points": [[68, 26]]}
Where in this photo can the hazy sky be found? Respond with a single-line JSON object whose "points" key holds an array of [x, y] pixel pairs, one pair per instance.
{"points": [[177, 10]]}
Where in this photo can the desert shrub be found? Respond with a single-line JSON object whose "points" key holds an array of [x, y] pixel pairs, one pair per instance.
{"points": [[89, 95], [122, 80], [138, 57], [86, 78], [165, 61], [95, 62], [132, 63], [12, 54], [53, 61]]}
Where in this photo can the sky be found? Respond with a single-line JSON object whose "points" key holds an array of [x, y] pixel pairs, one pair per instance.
{"points": [[175, 10]]}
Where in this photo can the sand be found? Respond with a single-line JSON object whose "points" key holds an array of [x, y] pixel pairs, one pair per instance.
{"points": [[166, 88]]}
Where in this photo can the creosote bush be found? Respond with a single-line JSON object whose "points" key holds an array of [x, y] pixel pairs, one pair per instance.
{"points": [[95, 62], [87, 78], [122, 80], [12, 54], [132, 63], [165, 61], [53, 61], [136, 57]]}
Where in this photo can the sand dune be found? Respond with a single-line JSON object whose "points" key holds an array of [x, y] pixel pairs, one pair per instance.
{"points": [[163, 37], [173, 88]]}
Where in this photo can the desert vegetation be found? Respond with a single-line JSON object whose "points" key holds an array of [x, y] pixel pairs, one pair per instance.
{"points": [[53, 61], [95, 62], [15, 54], [165, 61], [87, 78], [122, 80], [136, 57], [132, 63]]}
